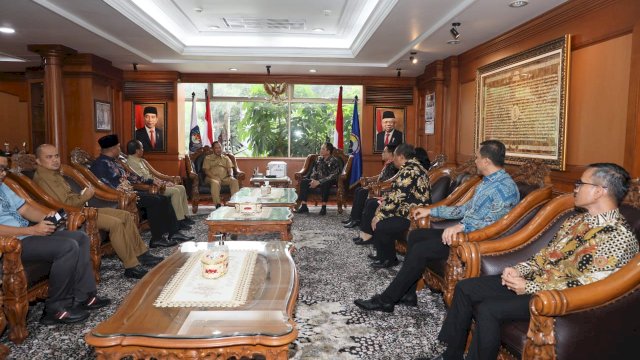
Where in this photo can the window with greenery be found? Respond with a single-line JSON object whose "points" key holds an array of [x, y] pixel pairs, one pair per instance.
{"points": [[258, 128]]}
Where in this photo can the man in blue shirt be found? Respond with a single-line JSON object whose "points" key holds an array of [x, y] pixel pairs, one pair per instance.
{"points": [[493, 198], [72, 287]]}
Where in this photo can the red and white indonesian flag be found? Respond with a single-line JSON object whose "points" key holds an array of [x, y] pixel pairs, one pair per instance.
{"points": [[338, 135]]}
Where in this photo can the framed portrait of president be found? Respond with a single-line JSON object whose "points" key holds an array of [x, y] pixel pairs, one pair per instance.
{"points": [[149, 125], [381, 135]]}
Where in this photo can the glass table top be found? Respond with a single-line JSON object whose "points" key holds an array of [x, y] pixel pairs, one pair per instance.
{"points": [[278, 196], [266, 311], [227, 213]]}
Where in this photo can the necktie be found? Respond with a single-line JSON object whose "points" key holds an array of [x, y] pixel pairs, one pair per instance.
{"points": [[152, 137], [386, 139]]}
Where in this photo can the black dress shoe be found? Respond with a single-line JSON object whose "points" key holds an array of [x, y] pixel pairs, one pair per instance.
{"points": [[374, 304], [92, 303], [178, 236], [188, 221], [150, 260], [218, 205], [303, 209], [383, 264], [348, 220], [373, 257], [363, 242], [183, 226], [136, 272], [162, 242], [355, 239], [410, 299], [63, 316], [352, 224], [323, 210]]}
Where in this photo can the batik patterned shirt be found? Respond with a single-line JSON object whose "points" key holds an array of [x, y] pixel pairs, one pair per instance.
{"points": [[494, 197], [410, 188], [326, 170], [587, 248]]}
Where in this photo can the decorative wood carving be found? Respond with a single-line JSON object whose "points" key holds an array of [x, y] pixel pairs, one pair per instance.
{"points": [[531, 172], [225, 353], [14, 287], [250, 227], [541, 338], [438, 162], [633, 195]]}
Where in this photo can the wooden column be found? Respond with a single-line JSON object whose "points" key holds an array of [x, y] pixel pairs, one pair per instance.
{"points": [[52, 56]]}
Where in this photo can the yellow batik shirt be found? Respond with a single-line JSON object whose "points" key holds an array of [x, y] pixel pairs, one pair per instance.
{"points": [[410, 188], [587, 248]]}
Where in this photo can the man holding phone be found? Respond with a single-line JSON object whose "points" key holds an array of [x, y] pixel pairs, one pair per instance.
{"points": [[72, 287]]}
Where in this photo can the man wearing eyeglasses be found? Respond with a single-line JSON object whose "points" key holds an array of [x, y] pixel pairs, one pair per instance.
{"points": [[72, 287], [587, 248]]}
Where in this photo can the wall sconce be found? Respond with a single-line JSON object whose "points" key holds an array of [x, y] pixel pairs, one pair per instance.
{"points": [[454, 30], [398, 70]]}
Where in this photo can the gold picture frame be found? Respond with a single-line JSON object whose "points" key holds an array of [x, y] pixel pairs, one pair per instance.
{"points": [[522, 101]]}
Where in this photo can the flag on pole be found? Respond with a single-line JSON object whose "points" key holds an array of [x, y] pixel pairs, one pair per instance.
{"points": [[195, 140], [338, 135], [355, 146], [208, 140]]}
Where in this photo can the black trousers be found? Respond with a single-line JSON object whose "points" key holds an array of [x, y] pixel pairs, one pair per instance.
{"points": [[423, 246], [385, 235], [305, 185], [370, 207], [71, 274], [359, 198], [160, 213], [491, 304]]}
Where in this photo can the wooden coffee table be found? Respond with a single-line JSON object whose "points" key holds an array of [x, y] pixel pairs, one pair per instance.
{"points": [[277, 197], [272, 219], [263, 325]]}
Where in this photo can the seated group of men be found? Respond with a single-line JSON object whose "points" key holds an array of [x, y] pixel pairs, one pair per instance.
{"points": [[72, 288], [588, 247]]}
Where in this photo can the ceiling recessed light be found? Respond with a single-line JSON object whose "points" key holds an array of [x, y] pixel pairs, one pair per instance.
{"points": [[198, 9], [233, 69], [318, 29], [518, 3], [7, 30], [453, 42], [214, 27], [313, 70]]}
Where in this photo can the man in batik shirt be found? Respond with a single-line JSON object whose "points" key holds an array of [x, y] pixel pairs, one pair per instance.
{"points": [[410, 188], [587, 248], [325, 173]]}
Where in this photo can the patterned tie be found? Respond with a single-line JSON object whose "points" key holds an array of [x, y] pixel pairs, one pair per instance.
{"points": [[386, 139], [152, 137]]}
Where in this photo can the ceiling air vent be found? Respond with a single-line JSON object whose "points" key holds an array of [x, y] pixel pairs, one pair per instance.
{"points": [[388, 96], [257, 24], [157, 91]]}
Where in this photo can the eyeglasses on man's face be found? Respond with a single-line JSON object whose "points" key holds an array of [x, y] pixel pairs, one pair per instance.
{"points": [[579, 183]]}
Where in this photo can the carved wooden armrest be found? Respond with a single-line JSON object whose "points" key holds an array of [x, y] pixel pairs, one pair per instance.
{"points": [[561, 302], [366, 181], [305, 168], [422, 223], [75, 220], [156, 174], [151, 189], [471, 252]]}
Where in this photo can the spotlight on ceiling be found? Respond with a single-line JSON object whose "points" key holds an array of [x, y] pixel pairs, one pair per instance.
{"points": [[454, 30], [518, 3], [7, 30], [413, 58], [399, 70]]}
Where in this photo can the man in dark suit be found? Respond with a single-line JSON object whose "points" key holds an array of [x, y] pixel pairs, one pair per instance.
{"points": [[389, 135], [150, 136]]}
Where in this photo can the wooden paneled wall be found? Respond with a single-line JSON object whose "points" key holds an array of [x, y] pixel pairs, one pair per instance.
{"points": [[603, 116]]}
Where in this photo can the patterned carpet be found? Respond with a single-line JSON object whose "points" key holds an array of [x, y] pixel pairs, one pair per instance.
{"points": [[333, 272]]}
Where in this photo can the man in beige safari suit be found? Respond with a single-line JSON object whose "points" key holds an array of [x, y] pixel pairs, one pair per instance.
{"points": [[219, 171]]}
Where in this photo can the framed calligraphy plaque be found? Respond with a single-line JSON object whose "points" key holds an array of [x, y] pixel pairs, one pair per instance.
{"points": [[522, 101]]}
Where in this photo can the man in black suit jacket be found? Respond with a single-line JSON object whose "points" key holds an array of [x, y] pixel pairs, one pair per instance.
{"points": [[150, 136], [389, 135]]}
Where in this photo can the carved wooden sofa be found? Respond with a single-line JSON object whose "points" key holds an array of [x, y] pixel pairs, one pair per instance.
{"points": [[25, 282], [594, 321], [339, 191], [530, 178], [157, 175], [195, 181], [377, 187]]}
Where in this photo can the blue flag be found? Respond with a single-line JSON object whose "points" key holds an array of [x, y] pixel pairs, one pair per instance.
{"points": [[355, 146], [195, 140]]}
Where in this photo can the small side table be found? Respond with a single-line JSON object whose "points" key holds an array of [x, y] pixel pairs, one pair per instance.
{"points": [[280, 182]]}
